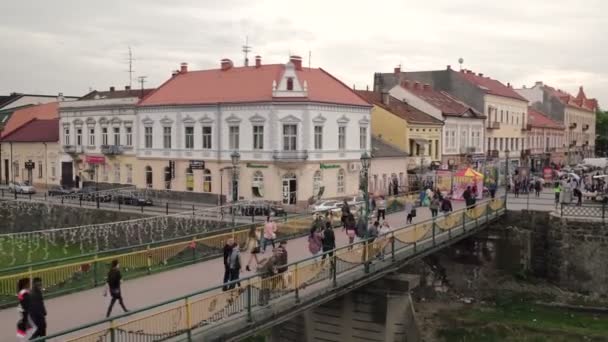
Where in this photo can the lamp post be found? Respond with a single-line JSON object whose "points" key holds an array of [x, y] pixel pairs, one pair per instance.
{"points": [[421, 150], [363, 186], [506, 172], [236, 158]]}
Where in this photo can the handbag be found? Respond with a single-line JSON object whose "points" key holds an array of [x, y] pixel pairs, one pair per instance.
{"points": [[413, 213]]}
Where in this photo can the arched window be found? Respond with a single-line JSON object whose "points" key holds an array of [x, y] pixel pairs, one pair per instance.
{"points": [[148, 177], [206, 180], [317, 180], [341, 175], [257, 186], [189, 180]]}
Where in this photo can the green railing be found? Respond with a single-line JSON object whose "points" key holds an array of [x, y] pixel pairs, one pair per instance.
{"points": [[191, 314]]}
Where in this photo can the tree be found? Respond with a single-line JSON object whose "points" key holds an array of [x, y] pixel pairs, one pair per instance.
{"points": [[601, 129]]}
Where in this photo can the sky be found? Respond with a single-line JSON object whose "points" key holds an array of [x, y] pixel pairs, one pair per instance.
{"points": [[72, 46]]}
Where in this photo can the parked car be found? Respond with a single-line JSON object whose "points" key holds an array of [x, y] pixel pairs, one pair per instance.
{"points": [[58, 190], [89, 194], [132, 199], [21, 188], [326, 205]]}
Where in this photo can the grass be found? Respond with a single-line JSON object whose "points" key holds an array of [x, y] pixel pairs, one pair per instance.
{"points": [[515, 318]]}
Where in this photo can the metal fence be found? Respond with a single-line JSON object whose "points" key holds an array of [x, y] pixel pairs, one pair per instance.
{"points": [[183, 316], [595, 211]]}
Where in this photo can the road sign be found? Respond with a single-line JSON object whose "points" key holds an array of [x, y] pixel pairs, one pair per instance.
{"points": [[197, 164]]}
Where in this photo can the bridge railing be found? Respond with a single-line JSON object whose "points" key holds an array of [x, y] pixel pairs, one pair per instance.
{"points": [[594, 211], [190, 314]]}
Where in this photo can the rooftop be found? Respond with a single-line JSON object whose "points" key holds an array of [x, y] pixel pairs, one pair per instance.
{"points": [[489, 85], [580, 101], [382, 149], [536, 118], [112, 93], [35, 131], [248, 84], [22, 116], [399, 108], [6, 100], [448, 105]]}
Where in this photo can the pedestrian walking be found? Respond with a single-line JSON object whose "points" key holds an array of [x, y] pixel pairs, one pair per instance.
{"points": [[114, 280], [538, 187], [434, 206], [328, 241], [579, 195], [516, 189], [468, 198], [267, 270], [557, 190], [409, 212], [345, 212], [381, 204], [385, 238], [235, 265], [315, 240], [227, 251], [270, 233], [351, 228], [23, 296], [253, 247], [492, 189], [37, 310], [446, 205]]}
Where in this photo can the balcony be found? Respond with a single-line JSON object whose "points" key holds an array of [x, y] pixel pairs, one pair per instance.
{"points": [[112, 150], [494, 125], [72, 149], [290, 156], [493, 154], [467, 150]]}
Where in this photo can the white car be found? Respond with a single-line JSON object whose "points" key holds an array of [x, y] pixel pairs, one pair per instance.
{"points": [[21, 188], [326, 205]]}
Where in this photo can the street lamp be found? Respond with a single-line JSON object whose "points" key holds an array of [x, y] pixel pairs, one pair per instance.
{"points": [[366, 161], [421, 152], [506, 171], [235, 157]]}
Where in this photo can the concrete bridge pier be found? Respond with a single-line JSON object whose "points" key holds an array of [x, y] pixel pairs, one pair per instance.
{"points": [[380, 311]]}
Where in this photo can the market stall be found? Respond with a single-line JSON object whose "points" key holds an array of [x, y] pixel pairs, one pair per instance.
{"points": [[464, 178]]}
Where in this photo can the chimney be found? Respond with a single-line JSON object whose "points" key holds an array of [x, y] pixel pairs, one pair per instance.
{"points": [[127, 88], [427, 87], [226, 64], [385, 98], [60, 97], [449, 67], [174, 73], [509, 84], [258, 61], [296, 61], [111, 89], [480, 74], [397, 70], [405, 84], [183, 68], [416, 85], [538, 84]]}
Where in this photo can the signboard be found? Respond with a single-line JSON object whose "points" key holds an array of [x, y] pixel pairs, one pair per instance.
{"points": [[29, 165], [330, 166], [172, 168], [95, 160], [197, 165], [256, 166]]}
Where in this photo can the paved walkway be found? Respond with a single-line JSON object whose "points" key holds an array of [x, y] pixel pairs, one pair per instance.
{"points": [[86, 306]]}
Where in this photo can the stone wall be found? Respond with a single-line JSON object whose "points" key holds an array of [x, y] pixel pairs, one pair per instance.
{"points": [[24, 216]]}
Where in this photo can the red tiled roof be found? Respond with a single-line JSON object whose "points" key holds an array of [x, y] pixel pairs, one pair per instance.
{"points": [[441, 100], [537, 118], [35, 131], [20, 117], [399, 108], [247, 84], [490, 86], [580, 101]]}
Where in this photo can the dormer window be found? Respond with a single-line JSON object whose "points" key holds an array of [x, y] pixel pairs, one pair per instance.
{"points": [[289, 83]]}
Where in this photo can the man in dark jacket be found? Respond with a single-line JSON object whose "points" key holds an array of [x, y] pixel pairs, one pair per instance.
{"points": [[227, 251], [329, 240], [37, 309], [469, 199]]}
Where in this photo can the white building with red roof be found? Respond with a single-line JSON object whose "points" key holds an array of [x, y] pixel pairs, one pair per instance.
{"points": [[576, 113], [300, 132]]}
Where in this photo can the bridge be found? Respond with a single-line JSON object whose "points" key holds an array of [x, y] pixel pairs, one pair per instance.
{"points": [[211, 314]]}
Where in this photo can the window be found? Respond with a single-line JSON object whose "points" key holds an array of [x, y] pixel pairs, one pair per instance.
{"points": [[116, 173], [340, 188], [258, 137], [206, 180], [91, 136], [166, 137], [148, 137], [516, 144], [501, 144], [290, 137], [501, 117], [511, 139], [16, 168], [66, 136], [104, 173], [363, 138], [233, 142], [129, 131], [342, 137], [189, 134], [148, 177], [53, 171], [463, 139], [189, 180], [207, 137], [258, 184], [40, 166], [318, 137], [489, 144], [129, 173], [289, 83], [79, 137], [317, 179], [116, 136], [104, 136]]}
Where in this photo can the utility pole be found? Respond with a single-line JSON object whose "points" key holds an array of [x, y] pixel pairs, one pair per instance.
{"points": [[130, 71], [142, 80]]}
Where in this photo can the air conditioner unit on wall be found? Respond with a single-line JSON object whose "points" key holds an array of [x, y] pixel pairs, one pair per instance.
{"points": [[354, 167]]}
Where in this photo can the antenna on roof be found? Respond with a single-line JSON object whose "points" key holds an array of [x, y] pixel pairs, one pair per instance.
{"points": [[142, 80], [131, 71], [460, 61], [246, 50]]}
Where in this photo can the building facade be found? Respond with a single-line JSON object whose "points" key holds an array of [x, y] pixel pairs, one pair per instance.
{"points": [[576, 113], [299, 133], [387, 175], [544, 142], [463, 130], [407, 128], [98, 137]]}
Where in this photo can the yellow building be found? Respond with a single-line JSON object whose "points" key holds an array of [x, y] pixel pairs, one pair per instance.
{"points": [[406, 128]]}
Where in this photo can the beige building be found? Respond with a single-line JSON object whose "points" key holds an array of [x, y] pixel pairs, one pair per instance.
{"points": [[388, 169]]}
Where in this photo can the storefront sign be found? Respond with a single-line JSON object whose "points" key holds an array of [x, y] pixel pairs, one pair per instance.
{"points": [[256, 166], [95, 159], [330, 166], [548, 174], [197, 164], [29, 165]]}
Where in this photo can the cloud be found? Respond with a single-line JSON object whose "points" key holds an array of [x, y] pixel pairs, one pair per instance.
{"points": [[69, 45]]}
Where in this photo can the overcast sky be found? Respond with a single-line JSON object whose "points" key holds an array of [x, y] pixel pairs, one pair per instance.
{"points": [[70, 46]]}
